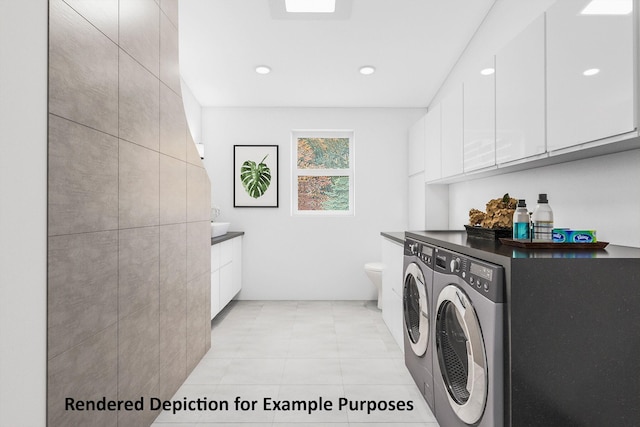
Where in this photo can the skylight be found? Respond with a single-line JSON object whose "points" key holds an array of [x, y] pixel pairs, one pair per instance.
{"points": [[310, 6], [608, 7]]}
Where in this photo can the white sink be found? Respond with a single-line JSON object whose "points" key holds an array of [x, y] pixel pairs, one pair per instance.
{"points": [[219, 228]]}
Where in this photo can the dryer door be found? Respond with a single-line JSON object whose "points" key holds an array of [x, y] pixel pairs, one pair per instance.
{"points": [[416, 309], [461, 354]]}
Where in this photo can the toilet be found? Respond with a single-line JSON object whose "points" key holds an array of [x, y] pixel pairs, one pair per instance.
{"points": [[374, 272]]}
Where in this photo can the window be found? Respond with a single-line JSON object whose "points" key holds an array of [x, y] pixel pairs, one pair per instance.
{"points": [[323, 174]]}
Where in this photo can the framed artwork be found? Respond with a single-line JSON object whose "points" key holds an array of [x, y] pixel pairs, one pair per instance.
{"points": [[255, 176]]}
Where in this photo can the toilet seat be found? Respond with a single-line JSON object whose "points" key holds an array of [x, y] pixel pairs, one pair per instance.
{"points": [[374, 266]]}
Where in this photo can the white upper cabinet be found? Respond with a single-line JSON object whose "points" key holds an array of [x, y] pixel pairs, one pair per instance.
{"points": [[480, 118], [452, 133], [590, 67], [416, 147], [416, 202], [520, 95], [432, 161]]}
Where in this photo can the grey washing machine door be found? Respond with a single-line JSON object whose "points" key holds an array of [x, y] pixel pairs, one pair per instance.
{"points": [[461, 354], [415, 309]]}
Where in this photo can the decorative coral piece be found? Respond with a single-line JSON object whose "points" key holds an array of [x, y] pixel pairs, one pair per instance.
{"points": [[499, 213]]}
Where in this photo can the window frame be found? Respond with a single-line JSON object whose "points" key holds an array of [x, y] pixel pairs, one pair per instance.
{"points": [[296, 172]]}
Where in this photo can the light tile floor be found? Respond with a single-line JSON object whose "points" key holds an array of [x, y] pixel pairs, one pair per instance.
{"points": [[300, 350]]}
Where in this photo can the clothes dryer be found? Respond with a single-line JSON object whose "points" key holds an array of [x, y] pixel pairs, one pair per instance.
{"points": [[417, 318], [468, 368]]}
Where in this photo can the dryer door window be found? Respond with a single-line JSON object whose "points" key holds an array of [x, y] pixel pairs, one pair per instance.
{"points": [[461, 354], [416, 309]]}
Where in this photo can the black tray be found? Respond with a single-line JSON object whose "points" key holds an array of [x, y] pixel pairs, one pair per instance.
{"points": [[552, 245], [488, 233]]}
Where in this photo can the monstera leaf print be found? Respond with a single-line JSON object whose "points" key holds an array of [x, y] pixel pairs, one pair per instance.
{"points": [[255, 178]]}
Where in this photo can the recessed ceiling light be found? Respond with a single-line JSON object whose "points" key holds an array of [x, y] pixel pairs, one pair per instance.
{"points": [[263, 69], [367, 70], [310, 6], [487, 71], [591, 72], [608, 7]]}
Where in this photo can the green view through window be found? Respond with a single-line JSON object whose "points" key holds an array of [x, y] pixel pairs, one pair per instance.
{"points": [[323, 172]]}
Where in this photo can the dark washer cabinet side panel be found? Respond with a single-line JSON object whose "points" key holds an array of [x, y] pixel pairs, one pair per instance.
{"points": [[573, 331], [574, 352]]}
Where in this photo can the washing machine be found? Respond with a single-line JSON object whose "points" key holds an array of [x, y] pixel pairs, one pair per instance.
{"points": [[468, 364], [417, 319]]}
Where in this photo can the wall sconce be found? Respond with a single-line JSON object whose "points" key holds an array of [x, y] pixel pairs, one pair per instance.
{"points": [[200, 148]]}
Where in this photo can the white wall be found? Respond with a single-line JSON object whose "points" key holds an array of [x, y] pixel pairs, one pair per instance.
{"points": [[23, 216], [287, 257], [600, 193], [595, 193]]}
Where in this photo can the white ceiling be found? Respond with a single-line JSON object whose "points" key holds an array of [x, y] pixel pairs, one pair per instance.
{"points": [[412, 43]]}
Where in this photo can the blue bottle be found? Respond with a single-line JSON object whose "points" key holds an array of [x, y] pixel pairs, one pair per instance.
{"points": [[521, 221]]}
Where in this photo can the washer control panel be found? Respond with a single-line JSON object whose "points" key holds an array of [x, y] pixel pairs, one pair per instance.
{"points": [[420, 250], [486, 278]]}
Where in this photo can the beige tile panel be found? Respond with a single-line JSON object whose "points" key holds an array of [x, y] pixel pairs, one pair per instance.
{"points": [[207, 317], [138, 362], [193, 156], [83, 71], [173, 295], [170, 8], [173, 257], [140, 32], [173, 190], [139, 199], [139, 104], [169, 64], [173, 124], [172, 375], [103, 14], [196, 315], [173, 342], [83, 179], [173, 308], [139, 262], [82, 287], [88, 371], [198, 194], [173, 328], [198, 249]]}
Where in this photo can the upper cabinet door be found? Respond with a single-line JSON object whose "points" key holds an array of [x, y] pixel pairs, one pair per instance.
{"points": [[520, 95], [416, 147], [432, 161], [480, 118], [590, 67], [452, 133]]}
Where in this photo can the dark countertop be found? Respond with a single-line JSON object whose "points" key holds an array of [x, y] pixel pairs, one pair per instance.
{"points": [[230, 235], [495, 251], [394, 236]]}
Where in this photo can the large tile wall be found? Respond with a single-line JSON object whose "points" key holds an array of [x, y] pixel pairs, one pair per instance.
{"points": [[128, 212]]}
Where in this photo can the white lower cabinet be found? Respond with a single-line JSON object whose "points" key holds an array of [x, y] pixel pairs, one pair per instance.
{"points": [[226, 273], [215, 293], [392, 284], [236, 282], [226, 284]]}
